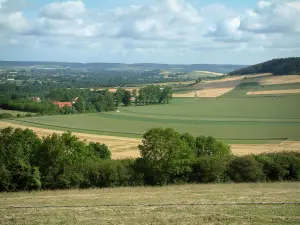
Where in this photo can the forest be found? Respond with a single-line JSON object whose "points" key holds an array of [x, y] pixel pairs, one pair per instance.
{"points": [[282, 66]]}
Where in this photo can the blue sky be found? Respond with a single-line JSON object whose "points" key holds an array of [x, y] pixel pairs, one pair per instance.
{"points": [[158, 31]]}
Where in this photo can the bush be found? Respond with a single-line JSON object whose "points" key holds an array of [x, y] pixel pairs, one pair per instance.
{"points": [[210, 169], [210, 146], [281, 166], [5, 116], [245, 169], [114, 173], [100, 150], [28, 115]]}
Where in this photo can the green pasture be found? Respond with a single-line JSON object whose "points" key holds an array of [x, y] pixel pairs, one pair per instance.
{"points": [[234, 120], [14, 113]]}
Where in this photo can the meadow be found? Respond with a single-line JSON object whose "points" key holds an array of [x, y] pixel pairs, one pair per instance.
{"points": [[14, 112], [267, 203], [233, 120]]}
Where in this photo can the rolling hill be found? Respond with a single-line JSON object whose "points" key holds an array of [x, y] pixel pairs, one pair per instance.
{"points": [[282, 66], [217, 68]]}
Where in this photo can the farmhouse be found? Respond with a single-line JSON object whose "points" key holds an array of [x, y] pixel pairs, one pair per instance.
{"points": [[63, 104]]}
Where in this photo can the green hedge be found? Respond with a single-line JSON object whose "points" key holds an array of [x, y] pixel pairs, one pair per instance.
{"points": [[62, 161]]}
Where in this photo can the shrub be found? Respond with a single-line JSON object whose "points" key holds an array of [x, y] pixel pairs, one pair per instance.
{"points": [[114, 173], [210, 146], [5, 116], [245, 169], [210, 169], [100, 150], [286, 166]]}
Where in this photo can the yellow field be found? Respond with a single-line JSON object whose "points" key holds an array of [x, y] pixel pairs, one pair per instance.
{"points": [[288, 79]]}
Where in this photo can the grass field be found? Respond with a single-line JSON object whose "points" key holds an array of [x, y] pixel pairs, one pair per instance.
{"points": [[234, 120], [185, 204], [13, 112]]}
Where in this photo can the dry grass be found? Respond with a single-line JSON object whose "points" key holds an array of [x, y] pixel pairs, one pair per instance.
{"points": [[122, 147], [274, 92], [205, 93], [97, 213], [288, 79]]}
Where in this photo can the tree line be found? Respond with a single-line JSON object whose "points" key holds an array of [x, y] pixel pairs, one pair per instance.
{"points": [[28, 162], [86, 100], [283, 66]]}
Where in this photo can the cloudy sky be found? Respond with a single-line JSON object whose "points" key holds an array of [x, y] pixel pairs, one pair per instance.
{"points": [[160, 31]]}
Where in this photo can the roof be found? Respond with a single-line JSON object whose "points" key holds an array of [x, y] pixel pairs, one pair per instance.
{"points": [[62, 104]]}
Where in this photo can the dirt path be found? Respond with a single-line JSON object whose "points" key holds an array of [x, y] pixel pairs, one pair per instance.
{"points": [[122, 147]]}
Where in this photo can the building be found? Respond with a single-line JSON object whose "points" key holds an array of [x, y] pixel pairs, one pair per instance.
{"points": [[63, 104], [36, 99]]}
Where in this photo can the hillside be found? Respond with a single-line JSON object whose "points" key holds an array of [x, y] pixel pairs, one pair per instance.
{"points": [[283, 66], [217, 68]]}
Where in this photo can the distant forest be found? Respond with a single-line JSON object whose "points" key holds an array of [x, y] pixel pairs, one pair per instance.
{"points": [[284, 66]]}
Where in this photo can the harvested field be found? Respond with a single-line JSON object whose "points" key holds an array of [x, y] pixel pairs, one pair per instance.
{"points": [[274, 92], [113, 90], [122, 147], [205, 93], [181, 204], [287, 79], [217, 88]]}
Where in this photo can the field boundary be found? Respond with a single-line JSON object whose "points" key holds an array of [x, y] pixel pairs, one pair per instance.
{"points": [[152, 205]]}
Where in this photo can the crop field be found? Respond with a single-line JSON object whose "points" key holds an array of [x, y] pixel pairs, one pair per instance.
{"points": [[261, 204], [234, 120]]}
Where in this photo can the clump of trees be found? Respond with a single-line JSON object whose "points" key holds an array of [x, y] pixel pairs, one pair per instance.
{"points": [[28, 162], [154, 95]]}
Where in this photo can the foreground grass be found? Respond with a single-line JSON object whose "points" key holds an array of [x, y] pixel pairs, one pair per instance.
{"points": [[127, 205]]}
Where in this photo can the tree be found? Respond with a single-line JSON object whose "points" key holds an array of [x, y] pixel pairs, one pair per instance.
{"points": [[127, 98], [80, 105], [100, 150], [119, 95], [165, 154], [16, 150], [210, 146]]}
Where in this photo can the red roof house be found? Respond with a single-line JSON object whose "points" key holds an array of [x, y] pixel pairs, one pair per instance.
{"points": [[63, 104]]}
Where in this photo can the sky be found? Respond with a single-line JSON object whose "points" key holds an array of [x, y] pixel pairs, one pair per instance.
{"points": [[149, 31]]}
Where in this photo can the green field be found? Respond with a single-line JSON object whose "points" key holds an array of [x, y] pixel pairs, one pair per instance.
{"points": [[233, 120], [185, 204], [14, 113]]}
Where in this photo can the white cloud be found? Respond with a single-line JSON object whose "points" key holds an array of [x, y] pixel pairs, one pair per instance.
{"points": [[168, 26], [66, 10], [273, 17]]}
